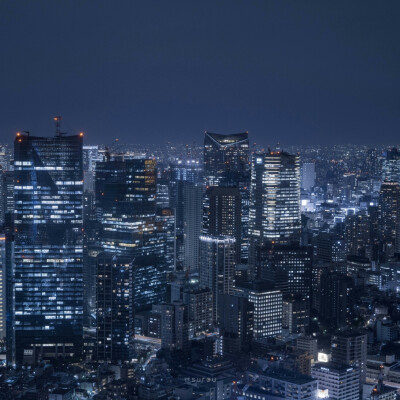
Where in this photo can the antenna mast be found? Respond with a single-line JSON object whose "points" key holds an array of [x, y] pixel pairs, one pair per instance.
{"points": [[57, 120]]}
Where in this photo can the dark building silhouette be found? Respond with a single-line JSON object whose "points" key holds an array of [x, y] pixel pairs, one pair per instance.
{"points": [[389, 216], [217, 266], [91, 248], [289, 266], [226, 163], [114, 309], [334, 299], [236, 323], [222, 214], [226, 157]]}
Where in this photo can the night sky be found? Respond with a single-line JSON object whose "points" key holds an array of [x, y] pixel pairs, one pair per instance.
{"points": [[294, 72]]}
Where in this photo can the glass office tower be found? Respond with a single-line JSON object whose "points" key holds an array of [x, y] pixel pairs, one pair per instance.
{"points": [[126, 206], [226, 157], [275, 197], [226, 163], [48, 250]]}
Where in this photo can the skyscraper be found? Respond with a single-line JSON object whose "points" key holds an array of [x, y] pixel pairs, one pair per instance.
{"points": [[114, 309], [217, 266], [226, 157], [222, 214], [275, 199], [126, 206], [3, 281], [226, 163], [391, 166], [183, 173], [192, 216], [7, 194], [48, 250], [91, 248], [389, 216], [9, 288]]}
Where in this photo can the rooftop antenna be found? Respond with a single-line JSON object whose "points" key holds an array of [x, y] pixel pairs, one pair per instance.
{"points": [[57, 120]]}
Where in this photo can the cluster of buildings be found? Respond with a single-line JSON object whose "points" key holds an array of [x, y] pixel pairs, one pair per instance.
{"points": [[224, 271]]}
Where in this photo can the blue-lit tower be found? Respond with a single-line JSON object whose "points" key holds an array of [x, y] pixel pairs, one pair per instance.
{"points": [[48, 249]]}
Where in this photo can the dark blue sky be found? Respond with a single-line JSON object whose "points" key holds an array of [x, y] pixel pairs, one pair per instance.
{"points": [[297, 72]]}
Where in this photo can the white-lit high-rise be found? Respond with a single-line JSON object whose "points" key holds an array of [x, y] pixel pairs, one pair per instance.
{"points": [[267, 302], [274, 198]]}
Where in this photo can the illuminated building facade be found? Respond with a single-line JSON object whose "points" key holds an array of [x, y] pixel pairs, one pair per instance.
{"points": [[149, 281], [267, 308], [48, 250], [336, 381], [275, 197], [125, 204]]}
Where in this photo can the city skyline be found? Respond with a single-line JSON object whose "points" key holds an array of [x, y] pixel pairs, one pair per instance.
{"points": [[178, 217]]}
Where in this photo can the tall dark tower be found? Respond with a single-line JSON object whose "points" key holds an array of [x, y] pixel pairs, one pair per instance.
{"points": [[222, 214], [115, 310], [226, 163], [226, 157], [48, 251], [389, 216]]}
